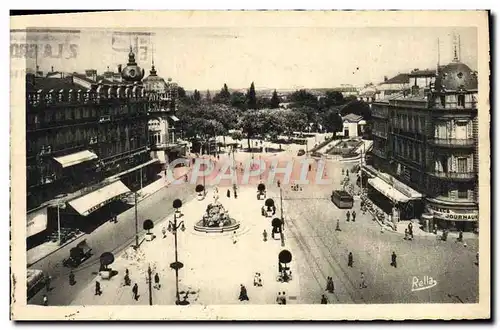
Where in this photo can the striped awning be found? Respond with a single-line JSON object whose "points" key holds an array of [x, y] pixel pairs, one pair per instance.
{"points": [[75, 158], [93, 201]]}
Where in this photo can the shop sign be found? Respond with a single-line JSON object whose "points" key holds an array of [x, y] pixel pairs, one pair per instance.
{"points": [[448, 214]]}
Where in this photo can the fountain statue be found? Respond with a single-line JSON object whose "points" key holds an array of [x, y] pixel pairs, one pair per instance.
{"points": [[216, 219]]}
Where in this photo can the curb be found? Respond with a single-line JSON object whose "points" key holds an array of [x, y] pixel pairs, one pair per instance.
{"points": [[60, 247], [83, 234]]}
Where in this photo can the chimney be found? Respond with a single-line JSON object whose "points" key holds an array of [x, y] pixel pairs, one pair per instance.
{"points": [[52, 69], [119, 68]]}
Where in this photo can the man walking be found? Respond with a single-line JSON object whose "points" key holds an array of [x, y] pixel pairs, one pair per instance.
{"points": [[393, 259], [353, 216], [157, 281], [362, 285], [71, 278], [349, 260], [98, 291], [264, 235], [324, 301], [243, 293], [135, 291], [347, 216], [234, 237]]}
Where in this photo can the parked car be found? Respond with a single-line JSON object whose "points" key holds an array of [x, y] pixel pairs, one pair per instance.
{"points": [[36, 280], [77, 255]]}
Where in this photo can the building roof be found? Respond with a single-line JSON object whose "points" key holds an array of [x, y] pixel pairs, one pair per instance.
{"points": [[456, 76], [352, 118], [46, 84], [423, 73], [402, 78]]}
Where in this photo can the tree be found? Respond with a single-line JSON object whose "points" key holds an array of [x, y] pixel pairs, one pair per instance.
{"points": [[252, 123], [148, 225], [238, 100], [181, 93], [208, 97], [359, 108], [196, 96], [106, 259], [275, 101], [333, 121], [304, 98], [251, 97], [223, 96]]}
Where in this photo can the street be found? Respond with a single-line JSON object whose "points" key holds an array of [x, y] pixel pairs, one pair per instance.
{"points": [[214, 268]]}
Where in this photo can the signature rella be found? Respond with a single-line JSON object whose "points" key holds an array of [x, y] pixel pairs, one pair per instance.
{"points": [[270, 171], [426, 282]]}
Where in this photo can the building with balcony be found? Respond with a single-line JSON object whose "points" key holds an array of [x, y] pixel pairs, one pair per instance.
{"points": [[165, 144], [425, 147], [86, 147]]}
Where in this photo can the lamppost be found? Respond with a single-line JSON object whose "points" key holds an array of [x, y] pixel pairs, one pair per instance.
{"points": [[59, 206], [136, 222], [176, 265]]}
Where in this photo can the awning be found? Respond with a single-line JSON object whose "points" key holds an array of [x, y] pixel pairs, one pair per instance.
{"points": [[387, 190], [37, 221], [76, 158], [97, 199], [174, 118]]}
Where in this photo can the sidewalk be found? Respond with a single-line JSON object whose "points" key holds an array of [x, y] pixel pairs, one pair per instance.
{"points": [[43, 250], [214, 267]]}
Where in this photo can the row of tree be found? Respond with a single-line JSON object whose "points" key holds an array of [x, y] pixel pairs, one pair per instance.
{"points": [[208, 117]]}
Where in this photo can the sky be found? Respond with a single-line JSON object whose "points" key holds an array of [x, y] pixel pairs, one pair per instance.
{"points": [[274, 57]]}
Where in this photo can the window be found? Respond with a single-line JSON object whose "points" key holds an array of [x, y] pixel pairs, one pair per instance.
{"points": [[462, 192], [462, 165], [443, 100], [461, 100]]}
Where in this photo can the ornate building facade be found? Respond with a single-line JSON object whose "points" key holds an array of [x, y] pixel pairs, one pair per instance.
{"points": [[425, 152], [165, 144], [87, 145]]}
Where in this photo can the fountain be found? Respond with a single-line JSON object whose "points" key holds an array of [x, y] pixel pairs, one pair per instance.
{"points": [[216, 219]]}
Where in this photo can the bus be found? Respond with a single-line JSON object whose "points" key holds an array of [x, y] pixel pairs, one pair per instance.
{"points": [[342, 199]]}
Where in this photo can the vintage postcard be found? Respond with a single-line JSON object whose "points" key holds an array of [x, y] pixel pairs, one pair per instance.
{"points": [[221, 165]]}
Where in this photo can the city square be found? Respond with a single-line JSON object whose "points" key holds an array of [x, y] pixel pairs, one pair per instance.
{"points": [[192, 190]]}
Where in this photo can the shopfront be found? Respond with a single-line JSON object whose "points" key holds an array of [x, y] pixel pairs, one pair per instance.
{"points": [[454, 218]]}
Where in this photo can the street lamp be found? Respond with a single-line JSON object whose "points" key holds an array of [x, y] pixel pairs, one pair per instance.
{"points": [[176, 265], [59, 206]]}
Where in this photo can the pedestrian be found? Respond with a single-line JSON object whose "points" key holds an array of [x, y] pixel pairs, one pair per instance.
{"points": [[347, 172], [279, 183], [337, 228], [126, 279], [264, 235], [234, 237], [135, 291], [347, 216], [349, 260], [256, 279], [164, 232], [283, 298], [47, 283], [98, 291], [71, 278], [330, 286], [228, 193], [362, 285], [460, 236], [393, 259], [243, 293], [157, 281], [353, 216], [259, 280], [324, 301], [278, 299], [45, 300], [342, 171], [310, 167], [435, 228]]}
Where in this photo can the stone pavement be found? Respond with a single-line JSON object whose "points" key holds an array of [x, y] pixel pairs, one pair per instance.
{"points": [[214, 267]]}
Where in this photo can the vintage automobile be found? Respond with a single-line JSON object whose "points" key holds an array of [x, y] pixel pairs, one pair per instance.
{"points": [[78, 254], [342, 199], [36, 280]]}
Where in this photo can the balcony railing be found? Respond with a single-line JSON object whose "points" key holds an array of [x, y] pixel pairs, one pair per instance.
{"points": [[453, 142], [453, 175]]}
